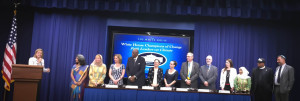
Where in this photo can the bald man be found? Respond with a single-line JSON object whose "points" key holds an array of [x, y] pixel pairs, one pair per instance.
{"points": [[135, 69]]}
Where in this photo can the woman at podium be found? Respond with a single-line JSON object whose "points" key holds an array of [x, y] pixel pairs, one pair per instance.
{"points": [[78, 74], [37, 59], [97, 71]]}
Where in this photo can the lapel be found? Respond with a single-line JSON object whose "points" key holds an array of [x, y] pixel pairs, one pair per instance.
{"points": [[187, 69], [193, 68], [283, 72], [205, 71], [135, 62]]}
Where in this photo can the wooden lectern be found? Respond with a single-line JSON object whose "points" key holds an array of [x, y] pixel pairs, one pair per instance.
{"points": [[26, 79]]}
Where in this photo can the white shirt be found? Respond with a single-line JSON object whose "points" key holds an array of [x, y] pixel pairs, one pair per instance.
{"points": [[155, 76], [135, 59], [190, 67], [263, 67], [34, 61], [276, 76]]}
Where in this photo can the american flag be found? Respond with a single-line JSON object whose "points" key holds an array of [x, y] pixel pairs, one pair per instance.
{"points": [[10, 54]]}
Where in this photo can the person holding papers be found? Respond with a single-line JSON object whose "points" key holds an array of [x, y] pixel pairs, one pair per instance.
{"points": [[37, 59]]}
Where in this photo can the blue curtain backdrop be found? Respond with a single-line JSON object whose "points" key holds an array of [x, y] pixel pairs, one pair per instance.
{"points": [[257, 9], [244, 43], [62, 37]]}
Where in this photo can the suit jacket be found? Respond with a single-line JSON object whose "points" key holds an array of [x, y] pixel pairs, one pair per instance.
{"points": [[286, 79], [208, 75], [159, 76], [136, 69], [194, 75]]}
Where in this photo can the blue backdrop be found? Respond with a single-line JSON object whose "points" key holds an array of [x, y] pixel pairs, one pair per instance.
{"points": [[242, 42], [62, 37], [234, 29], [168, 48]]}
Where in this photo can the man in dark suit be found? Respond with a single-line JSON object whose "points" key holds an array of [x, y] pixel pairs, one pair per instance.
{"points": [[135, 69], [284, 79], [262, 82], [208, 75], [189, 72]]}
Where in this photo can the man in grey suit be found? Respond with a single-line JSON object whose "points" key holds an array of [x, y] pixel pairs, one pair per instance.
{"points": [[189, 72], [284, 79], [208, 74]]}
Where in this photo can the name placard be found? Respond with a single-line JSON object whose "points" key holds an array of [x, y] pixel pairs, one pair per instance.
{"points": [[131, 87], [203, 90], [148, 87], [111, 86], [166, 88], [224, 91], [181, 89]]}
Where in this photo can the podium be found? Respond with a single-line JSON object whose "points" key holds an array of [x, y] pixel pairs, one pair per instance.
{"points": [[26, 79]]}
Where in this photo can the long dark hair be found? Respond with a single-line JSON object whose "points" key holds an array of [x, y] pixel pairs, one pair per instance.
{"points": [[231, 65]]}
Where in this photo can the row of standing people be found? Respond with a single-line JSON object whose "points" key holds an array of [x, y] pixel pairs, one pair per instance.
{"points": [[263, 81]]}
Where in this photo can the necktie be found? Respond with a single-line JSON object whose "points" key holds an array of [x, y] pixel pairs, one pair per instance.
{"points": [[189, 71], [278, 75], [208, 69], [134, 60]]}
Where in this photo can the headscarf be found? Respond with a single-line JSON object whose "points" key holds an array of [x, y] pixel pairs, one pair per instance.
{"points": [[245, 73], [101, 61]]}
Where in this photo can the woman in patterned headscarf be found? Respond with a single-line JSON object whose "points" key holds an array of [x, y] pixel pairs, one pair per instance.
{"points": [[242, 83], [97, 71]]}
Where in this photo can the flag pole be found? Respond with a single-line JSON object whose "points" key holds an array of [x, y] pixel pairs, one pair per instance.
{"points": [[15, 13], [4, 94]]}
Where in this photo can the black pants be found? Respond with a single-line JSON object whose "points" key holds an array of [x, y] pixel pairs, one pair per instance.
{"points": [[262, 96]]}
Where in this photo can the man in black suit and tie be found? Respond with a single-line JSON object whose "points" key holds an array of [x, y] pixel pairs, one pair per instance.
{"points": [[208, 75], [262, 81], [284, 79], [135, 69], [189, 72]]}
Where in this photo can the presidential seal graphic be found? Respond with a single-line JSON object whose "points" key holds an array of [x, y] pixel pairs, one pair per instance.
{"points": [[151, 56]]}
